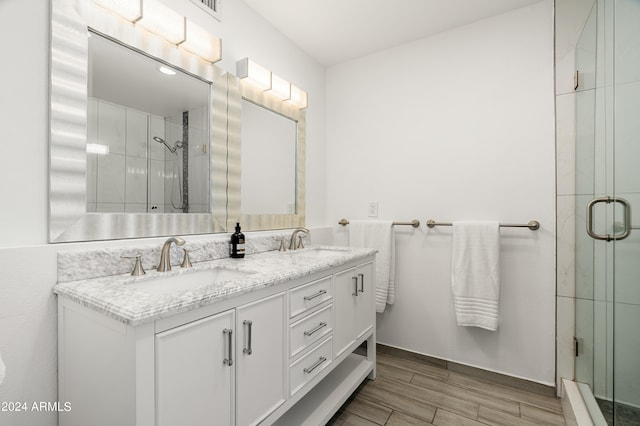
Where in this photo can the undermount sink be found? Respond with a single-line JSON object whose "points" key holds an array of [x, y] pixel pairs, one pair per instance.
{"points": [[189, 280], [319, 252]]}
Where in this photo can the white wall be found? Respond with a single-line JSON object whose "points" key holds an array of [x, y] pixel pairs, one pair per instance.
{"points": [[28, 264], [456, 126]]}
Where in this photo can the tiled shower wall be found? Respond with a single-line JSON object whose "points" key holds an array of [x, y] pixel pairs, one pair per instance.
{"points": [[138, 173], [117, 181], [197, 160]]}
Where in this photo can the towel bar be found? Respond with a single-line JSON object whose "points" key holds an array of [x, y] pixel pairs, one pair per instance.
{"points": [[533, 225], [415, 223]]}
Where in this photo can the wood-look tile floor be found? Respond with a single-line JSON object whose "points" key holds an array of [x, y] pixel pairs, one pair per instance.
{"points": [[411, 392]]}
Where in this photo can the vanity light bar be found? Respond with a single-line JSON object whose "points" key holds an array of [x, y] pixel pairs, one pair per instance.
{"points": [[161, 20], [202, 43], [265, 80], [280, 87], [298, 97], [257, 75], [130, 10]]}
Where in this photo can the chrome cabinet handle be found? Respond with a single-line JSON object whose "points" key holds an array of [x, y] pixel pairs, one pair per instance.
{"points": [[608, 237], [248, 324], [315, 329], [355, 281], [229, 361], [315, 365], [313, 296], [361, 276]]}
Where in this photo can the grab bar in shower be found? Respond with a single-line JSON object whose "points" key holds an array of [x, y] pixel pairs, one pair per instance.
{"points": [[415, 223], [533, 225]]}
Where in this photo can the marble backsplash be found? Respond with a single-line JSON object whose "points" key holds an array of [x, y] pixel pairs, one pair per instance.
{"points": [[86, 264]]}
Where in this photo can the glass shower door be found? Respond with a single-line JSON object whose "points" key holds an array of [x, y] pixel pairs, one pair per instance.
{"points": [[608, 181], [626, 172]]}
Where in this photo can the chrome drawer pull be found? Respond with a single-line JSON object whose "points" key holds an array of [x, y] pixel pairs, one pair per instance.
{"points": [[355, 281], [316, 365], [318, 328], [361, 276], [313, 296], [229, 333], [248, 349]]}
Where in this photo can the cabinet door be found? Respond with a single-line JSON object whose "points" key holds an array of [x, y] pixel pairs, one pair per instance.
{"points": [[262, 355], [194, 378], [346, 305], [366, 300]]}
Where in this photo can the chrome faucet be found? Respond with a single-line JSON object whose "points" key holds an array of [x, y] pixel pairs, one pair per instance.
{"points": [[165, 255], [292, 243]]}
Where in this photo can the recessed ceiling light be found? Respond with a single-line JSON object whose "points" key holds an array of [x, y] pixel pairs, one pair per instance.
{"points": [[166, 70]]}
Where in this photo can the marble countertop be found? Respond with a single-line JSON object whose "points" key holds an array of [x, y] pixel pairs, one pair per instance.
{"points": [[118, 297]]}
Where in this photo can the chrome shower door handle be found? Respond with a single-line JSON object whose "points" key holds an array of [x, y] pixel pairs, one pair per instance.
{"points": [[229, 361], [248, 324], [608, 237]]}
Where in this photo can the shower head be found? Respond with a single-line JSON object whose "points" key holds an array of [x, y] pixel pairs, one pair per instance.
{"points": [[178, 144]]}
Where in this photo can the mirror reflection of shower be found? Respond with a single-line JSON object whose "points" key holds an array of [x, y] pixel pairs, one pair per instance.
{"points": [[150, 163], [129, 103], [176, 146], [177, 196]]}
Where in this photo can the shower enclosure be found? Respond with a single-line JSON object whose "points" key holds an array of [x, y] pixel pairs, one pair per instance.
{"points": [[138, 162], [608, 206]]}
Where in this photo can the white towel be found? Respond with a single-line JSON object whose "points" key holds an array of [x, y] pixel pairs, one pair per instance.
{"points": [[475, 273], [378, 235]]}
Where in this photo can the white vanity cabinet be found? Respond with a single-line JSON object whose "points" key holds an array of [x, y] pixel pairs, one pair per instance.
{"points": [[194, 374], [354, 305], [279, 354], [260, 359], [196, 364]]}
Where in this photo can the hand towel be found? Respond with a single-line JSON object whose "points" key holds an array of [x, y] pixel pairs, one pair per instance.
{"points": [[378, 235], [475, 273]]}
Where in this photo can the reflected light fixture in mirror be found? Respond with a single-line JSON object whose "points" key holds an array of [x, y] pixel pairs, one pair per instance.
{"points": [[166, 70]]}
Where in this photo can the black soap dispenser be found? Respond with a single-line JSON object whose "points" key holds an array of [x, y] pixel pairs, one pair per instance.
{"points": [[236, 245]]}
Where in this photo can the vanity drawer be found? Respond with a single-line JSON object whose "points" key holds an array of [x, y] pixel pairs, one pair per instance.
{"points": [[307, 367], [310, 329], [309, 295]]}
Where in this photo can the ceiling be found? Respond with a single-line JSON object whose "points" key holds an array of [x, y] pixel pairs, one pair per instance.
{"points": [[335, 31]]}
